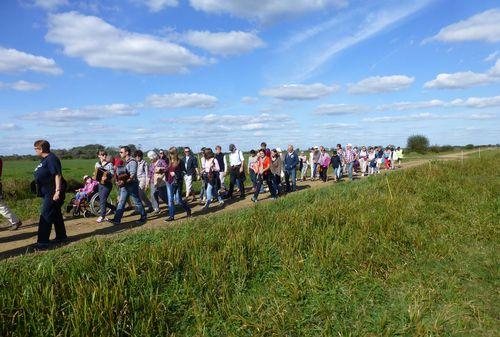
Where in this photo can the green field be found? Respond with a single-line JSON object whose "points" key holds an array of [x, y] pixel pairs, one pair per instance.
{"points": [[343, 260]]}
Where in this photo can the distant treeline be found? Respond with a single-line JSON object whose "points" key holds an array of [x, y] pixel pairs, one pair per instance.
{"points": [[90, 151]]}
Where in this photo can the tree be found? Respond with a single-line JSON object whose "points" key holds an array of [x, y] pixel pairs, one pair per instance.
{"points": [[417, 143]]}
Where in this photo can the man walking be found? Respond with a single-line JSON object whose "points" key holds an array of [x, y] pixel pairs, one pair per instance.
{"points": [[237, 164], [291, 161], [4, 209], [129, 186], [222, 161]]}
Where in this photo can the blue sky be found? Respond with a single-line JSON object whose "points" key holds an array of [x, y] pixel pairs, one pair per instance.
{"points": [[204, 72]]}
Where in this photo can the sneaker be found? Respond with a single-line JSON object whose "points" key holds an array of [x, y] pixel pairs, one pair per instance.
{"points": [[253, 199], [169, 219], [142, 220], [100, 219], [205, 207], [16, 226], [155, 212], [188, 213], [221, 203]]}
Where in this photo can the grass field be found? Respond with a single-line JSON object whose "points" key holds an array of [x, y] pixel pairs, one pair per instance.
{"points": [[344, 260], [18, 174]]}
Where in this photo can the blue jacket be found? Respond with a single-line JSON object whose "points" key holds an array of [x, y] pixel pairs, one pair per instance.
{"points": [[291, 161]]}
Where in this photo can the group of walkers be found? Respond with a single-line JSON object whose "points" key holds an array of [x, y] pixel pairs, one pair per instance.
{"points": [[166, 174]]}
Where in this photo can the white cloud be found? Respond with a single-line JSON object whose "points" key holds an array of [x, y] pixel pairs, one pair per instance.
{"points": [[103, 45], [411, 105], [471, 102], [13, 61], [231, 120], [377, 84], [67, 115], [181, 100], [224, 43], [157, 5], [425, 116], [484, 26], [264, 10], [492, 56], [26, 86], [300, 91], [249, 100], [9, 127], [340, 109], [50, 4], [340, 126], [465, 79]]}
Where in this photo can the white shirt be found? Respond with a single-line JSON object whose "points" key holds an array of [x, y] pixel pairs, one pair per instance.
{"points": [[236, 158]]}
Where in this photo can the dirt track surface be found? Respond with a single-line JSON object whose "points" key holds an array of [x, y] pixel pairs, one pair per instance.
{"points": [[19, 242]]}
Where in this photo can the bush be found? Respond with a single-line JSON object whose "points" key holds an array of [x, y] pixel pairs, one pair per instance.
{"points": [[469, 146], [417, 143]]}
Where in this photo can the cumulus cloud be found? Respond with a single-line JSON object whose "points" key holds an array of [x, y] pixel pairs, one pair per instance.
{"points": [[157, 5], [339, 126], [231, 120], [13, 61], [465, 79], [224, 43], [300, 91], [484, 26], [249, 100], [340, 109], [22, 86], [181, 100], [492, 56], [378, 84], [65, 115], [103, 45], [264, 10], [411, 105]]}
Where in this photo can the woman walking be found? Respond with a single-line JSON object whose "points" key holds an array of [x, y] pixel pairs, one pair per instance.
{"points": [[337, 166], [156, 180], [303, 165], [104, 171], [174, 184], [276, 165], [324, 162], [262, 167], [349, 158], [252, 159], [51, 187], [142, 177], [211, 174], [363, 160]]}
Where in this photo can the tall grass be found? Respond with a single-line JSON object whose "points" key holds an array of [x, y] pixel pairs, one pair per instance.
{"points": [[347, 260]]}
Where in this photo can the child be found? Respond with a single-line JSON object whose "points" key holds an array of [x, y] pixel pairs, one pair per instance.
{"points": [[89, 187]]}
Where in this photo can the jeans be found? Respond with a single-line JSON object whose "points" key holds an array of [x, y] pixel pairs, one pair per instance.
{"points": [[291, 173], [129, 190], [104, 191], [349, 169], [158, 193], [303, 172], [260, 181], [338, 172], [212, 192], [174, 193], [51, 214], [253, 178], [314, 169]]}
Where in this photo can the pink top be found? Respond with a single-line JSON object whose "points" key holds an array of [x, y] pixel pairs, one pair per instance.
{"points": [[90, 186], [324, 159]]}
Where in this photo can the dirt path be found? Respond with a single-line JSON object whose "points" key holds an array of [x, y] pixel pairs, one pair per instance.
{"points": [[18, 242]]}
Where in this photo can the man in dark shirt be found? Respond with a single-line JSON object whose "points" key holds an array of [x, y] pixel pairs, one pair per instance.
{"points": [[189, 166], [4, 209], [48, 177]]}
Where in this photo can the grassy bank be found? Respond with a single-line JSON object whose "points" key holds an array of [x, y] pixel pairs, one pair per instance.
{"points": [[338, 261]]}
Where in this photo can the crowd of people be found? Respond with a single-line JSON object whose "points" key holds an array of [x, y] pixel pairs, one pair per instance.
{"points": [[169, 178]]}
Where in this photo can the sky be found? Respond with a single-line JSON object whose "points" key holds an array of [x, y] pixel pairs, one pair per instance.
{"points": [[161, 73]]}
